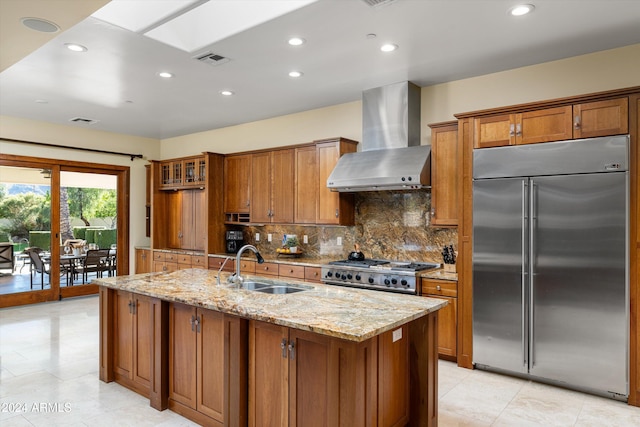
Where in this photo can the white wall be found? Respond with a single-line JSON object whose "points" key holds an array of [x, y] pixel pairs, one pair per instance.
{"points": [[596, 72], [17, 128]]}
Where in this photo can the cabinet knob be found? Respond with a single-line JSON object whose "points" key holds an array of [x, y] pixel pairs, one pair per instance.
{"points": [[576, 122], [433, 211], [519, 129], [438, 288], [336, 213], [511, 129]]}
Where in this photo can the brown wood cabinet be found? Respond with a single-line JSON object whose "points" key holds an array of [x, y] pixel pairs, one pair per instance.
{"points": [[601, 118], [237, 179], [182, 173], [165, 262], [132, 347], [205, 365], [444, 174], [143, 261], [299, 378], [272, 176], [306, 185], [545, 125], [186, 221], [333, 207], [216, 262], [447, 316]]}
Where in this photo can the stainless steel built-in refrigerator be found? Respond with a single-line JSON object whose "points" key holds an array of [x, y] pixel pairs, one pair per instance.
{"points": [[550, 262]]}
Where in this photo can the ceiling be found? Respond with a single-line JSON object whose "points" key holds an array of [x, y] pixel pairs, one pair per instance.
{"points": [[116, 84]]}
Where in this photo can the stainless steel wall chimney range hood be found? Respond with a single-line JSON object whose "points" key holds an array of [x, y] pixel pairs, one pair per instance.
{"points": [[391, 157]]}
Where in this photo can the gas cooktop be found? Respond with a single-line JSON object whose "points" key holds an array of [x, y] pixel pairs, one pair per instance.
{"points": [[378, 274]]}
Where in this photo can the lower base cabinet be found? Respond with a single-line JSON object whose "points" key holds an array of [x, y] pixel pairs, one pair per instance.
{"points": [[299, 378], [133, 326], [206, 363]]}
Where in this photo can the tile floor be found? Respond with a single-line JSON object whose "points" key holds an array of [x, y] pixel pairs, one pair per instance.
{"points": [[49, 377]]}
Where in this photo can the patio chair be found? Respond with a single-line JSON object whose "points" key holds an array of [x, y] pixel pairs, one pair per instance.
{"points": [[96, 261], [38, 265], [6, 256]]}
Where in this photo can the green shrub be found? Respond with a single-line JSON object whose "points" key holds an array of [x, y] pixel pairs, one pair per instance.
{"points": [[41, 239], [79, 232], [105, 238]]}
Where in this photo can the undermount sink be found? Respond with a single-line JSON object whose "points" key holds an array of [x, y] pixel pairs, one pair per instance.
{"points": [[285, 289], [273, 288], [254, 286]]}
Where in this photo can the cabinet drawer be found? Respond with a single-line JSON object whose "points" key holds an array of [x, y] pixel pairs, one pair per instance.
{"points": [[158, 256], [198, 262], [439, 287], [247, 266], [171, 257], [312, 274], [293, 271], [216, 262], [267, 269], [183, 259]]}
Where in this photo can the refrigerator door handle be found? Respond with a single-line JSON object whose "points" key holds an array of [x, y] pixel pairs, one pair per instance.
{"points": [[533, 215], [524, 272]]}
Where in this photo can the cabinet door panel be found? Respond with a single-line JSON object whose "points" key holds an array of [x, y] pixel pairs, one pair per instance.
{"points": [[447, 328], [282, 186], [444, 176], [199, 229], [237, 179], [328, 201], [123, 332], [602, 118], [261, 187], [268, 376], [143, 261], [393, 377], [174, 219], [550, 124], [306, 186], [311, 402], [182, 357], [211, 376], [494, 131], [143, 339]]}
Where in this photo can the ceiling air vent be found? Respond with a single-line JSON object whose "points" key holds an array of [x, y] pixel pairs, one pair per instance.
{"points": [[379, 3], [83, 120], [212, 59]]}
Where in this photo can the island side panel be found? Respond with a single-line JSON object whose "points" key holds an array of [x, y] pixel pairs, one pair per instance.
{"points": [[423, 357], [106, 298], [237, 369], [159, 388]]}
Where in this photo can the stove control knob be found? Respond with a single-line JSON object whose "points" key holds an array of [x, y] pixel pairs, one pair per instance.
{"points": [[394, 281], [403, 282], [371, 280], [358, 277], [344, 277], [329, 274], [387, 282], [349, 276]]}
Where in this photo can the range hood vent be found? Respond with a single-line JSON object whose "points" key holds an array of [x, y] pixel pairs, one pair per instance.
{"points": [[379, 3], [391, 157]]}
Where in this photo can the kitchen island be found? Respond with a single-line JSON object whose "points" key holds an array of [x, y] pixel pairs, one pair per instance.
{"points": [[226, 356]]}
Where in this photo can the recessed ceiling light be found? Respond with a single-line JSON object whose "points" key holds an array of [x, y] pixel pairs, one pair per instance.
{"points": [[295, 74], [296, 41], [41, 25], [165, 74], [75, 47], [389, 47], [521, 9], [41, 101], [226, 92]]}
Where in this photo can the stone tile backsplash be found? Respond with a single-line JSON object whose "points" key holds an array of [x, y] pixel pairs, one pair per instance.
{"points": [[390, 225]]}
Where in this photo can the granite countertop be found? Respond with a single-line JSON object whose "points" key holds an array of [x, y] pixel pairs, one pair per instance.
{"points": [[347, 313]]}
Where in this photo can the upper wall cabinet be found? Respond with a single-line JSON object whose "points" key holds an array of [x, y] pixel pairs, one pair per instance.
{"points": [[444, 174], [237, 190], [287, 186], [183, 173], [585, 120], [272, 186]]}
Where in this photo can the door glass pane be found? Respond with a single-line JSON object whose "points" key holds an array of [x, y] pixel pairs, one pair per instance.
{"points": [[88, 214], [25, 226]]}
